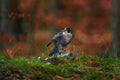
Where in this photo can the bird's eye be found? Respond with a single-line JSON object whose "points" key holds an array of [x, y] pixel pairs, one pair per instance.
{"points": [[68, 30]]}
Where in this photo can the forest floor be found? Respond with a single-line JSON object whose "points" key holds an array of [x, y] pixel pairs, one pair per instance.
{"points": [[36, 68]]}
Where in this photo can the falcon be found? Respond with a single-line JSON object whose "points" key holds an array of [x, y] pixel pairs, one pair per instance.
{"points": [[61, 40]]}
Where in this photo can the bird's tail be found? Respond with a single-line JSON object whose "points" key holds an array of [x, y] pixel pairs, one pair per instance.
{"points": [[49, 43]]}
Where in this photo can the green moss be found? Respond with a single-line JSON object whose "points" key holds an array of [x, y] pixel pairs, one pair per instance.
{"points": [[37, 69]]}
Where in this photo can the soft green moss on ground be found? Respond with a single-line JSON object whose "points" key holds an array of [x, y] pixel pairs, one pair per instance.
{"points": [[60, 68]]}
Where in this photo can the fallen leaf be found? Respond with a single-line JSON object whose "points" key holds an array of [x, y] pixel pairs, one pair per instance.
{"points": [[75, 75], [91, 63]]}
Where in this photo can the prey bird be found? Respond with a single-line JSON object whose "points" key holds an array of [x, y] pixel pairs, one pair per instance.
{"points": [[61, 40]]}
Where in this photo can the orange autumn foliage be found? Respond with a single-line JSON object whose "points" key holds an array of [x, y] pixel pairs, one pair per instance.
{"points": [[89, 19]]}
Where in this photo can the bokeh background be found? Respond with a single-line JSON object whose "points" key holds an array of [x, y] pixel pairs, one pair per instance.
{"points": [[28, 25]]}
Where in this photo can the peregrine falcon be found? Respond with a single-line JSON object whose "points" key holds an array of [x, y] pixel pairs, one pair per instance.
{"points": [[61, 40]]}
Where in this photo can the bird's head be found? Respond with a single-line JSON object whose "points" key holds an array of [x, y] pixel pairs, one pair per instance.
{"points": [[67, 29]]}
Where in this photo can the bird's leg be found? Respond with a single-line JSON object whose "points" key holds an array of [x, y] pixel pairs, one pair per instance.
{"points": [[63, 50], [60, 49]]}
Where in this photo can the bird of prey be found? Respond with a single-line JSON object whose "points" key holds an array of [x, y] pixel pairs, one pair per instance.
{"points": [[61, 40]]}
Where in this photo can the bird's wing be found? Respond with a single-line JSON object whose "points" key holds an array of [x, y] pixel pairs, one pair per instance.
{"points": [[58, 36]]}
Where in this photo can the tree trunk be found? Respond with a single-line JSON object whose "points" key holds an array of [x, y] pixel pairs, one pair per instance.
{"points": [[17, 23], [115, 26], [4, 21], [4, 16]]}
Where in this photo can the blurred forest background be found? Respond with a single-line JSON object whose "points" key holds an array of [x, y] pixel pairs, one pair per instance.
{"points": [[26, 26]]}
